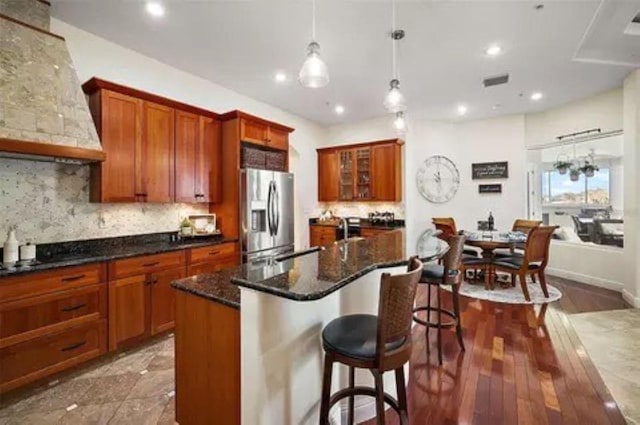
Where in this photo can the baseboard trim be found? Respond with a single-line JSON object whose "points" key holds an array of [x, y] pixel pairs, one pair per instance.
{"points": [[628, 297], [589, 280]]}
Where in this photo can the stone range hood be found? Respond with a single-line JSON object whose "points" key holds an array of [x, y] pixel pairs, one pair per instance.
{"points": [[43, 112]]}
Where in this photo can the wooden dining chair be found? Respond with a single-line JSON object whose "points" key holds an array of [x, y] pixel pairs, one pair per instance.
{"points": [[447, 227], [520, 225], [532, 263]]}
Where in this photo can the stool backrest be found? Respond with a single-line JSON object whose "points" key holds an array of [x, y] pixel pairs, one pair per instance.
{"points": [[397, 294], [453, 257]]}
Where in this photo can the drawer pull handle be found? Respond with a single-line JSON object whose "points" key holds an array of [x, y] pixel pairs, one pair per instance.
{"points": [[72, 278], [73, 346], [155, 263], [74, 307], [151, 282], [214, 252]]}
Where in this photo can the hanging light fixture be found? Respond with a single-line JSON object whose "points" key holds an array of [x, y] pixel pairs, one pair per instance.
{"points": [[400, 123], [395, 101], [314, 72]]}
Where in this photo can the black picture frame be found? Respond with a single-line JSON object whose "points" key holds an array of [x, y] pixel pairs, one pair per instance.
{"points": [[490, 170], [490, 188]]}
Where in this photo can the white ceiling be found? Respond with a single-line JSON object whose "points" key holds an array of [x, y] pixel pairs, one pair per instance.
{"points": [[240, 44]]}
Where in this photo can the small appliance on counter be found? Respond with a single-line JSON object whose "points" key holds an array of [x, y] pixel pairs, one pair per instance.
{"points": [[384, 217]]}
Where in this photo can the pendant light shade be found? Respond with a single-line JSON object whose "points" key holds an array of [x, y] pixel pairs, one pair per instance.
{"points": [[400, 124], [314, 72], [395, 101]]}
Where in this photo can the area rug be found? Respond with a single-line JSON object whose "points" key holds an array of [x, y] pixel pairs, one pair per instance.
{"points": [[509, 295]]}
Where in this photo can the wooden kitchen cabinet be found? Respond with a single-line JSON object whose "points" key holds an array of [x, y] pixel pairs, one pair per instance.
{"points": [[212, 258], [51, 321], [362, 172], [158, 150], [386, 170], [141, 299], [278, 139], [321, 235], [328, 166], [197, 158], [263, 133]]}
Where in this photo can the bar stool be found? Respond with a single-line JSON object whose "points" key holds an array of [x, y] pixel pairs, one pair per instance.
{"points": [[379, 343], [446, 274]]}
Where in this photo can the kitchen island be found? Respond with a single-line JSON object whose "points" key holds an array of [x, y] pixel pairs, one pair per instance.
{"points": [[248, 339]]}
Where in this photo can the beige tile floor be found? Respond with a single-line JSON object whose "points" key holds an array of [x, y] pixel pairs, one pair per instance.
{"points": [[612, 340], [135, 387]]}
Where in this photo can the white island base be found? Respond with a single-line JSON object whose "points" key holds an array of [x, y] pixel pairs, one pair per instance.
{"points": [[282, 356]]}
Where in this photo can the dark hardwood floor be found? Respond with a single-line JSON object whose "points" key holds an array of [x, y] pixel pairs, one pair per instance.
{"points": [[522, 365]]}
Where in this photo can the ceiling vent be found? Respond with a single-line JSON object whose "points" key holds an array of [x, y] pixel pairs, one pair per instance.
{"points": [[496, 81]]}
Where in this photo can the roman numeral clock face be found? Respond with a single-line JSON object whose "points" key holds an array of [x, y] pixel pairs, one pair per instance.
{"points": [[438, 179]]}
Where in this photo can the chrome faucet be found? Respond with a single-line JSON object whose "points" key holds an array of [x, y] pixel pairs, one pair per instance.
{"points": [[345, 226]]}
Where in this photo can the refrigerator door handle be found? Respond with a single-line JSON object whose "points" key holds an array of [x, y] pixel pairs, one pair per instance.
{"points": [[269, 201], [276, 207]]}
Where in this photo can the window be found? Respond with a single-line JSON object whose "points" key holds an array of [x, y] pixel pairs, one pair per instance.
{"points": [[558, 189]]}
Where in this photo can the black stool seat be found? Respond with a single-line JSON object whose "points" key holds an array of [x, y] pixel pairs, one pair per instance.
{"points": [[435, 272], [355, 336]]}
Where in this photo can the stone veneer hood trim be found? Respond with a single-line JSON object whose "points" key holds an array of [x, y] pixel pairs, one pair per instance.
{"points": [[44, 114]]}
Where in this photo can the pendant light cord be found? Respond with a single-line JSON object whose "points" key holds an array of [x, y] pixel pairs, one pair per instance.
{"points": [[393, 39], [313, 24]]}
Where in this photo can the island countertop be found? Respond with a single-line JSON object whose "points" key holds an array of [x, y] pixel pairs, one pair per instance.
{"points": [[313, 275]]}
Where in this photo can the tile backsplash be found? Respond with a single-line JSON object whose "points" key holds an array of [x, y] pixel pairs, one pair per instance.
{"points": [[49, 202], [361, 209]]}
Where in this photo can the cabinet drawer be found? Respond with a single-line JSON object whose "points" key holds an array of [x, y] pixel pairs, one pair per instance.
{"points": [[51, 281], [36, 316], [213, 252], [36, 358], [145, 264], [365, 233]]}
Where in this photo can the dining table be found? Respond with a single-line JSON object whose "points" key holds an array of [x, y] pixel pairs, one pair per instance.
{"points": [[488, 242]]}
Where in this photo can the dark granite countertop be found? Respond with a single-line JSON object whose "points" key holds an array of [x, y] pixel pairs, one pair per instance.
{"points": [[74, 253], [364, 224], [314, 275]]}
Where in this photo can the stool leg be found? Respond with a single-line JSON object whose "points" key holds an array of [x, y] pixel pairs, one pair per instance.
{"points": [[350, 412], [456, 311], [326, 390], [439, 325], [402, 396], [379, 396], [428, 312]]}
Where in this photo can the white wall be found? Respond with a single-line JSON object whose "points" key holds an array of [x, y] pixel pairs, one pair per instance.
{"points": [[498, 139], [602, 111], [95, 56]]}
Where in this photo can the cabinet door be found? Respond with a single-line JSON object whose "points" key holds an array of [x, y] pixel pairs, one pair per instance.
{"points": [[363, 174], [254, 131], [163, 299], [187, 135], [158, 153], [278, 139], [114, 180], [346, 175], [328, 176], [208, 161], [128, 310], [386, 171]]}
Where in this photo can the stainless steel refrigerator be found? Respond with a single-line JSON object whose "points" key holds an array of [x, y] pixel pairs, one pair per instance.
{"points": [[266, 214]]}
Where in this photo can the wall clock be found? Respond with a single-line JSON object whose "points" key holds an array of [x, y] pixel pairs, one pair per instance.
{"points": [[438, 179]]}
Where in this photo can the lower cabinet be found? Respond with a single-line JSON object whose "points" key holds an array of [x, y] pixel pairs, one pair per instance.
{"points": [[322, 235], [212, 258], [368, 232], [141, 306]]}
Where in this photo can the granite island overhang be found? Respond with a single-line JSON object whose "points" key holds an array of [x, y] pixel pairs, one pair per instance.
{"points": [[248, 346]]}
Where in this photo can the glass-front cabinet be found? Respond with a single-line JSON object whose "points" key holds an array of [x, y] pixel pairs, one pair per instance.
{"points": [[346, 175], [355, 174], [363, 174]]}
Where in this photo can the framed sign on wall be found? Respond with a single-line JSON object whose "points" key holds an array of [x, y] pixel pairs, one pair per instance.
{"points": [[490, 188], [490, 170]]}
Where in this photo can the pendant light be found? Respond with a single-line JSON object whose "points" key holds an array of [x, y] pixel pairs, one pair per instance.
{"points": [[314, 72], [400, 124], [395, 101]]}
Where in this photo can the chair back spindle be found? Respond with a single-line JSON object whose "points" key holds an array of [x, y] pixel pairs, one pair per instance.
{"points": [[537, 246]]}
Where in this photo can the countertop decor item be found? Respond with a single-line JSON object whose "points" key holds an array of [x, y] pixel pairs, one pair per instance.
{"points": [[203, 225], [438, 179], [11, 248], [186, 228]]}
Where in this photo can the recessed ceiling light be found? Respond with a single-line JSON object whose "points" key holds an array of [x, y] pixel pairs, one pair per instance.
{"points": [[155, 9], [536, 96], [493, 50], [462, 109], [280, 77], [339, 109]]}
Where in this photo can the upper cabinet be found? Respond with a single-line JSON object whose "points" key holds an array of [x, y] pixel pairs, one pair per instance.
{"points": [[263, 133], [362, 172], [158, 150]]}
